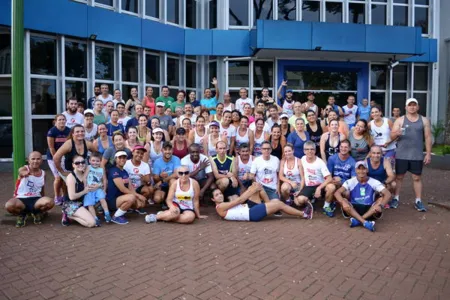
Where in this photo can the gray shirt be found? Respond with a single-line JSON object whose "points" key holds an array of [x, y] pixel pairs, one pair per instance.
{"points": [[358, 144], [164, 121], [410, 144], [109, 156]]}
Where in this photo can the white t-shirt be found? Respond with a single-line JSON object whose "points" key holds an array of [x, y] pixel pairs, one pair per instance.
{"points": [[229, 132], [315, 172], [271, 122], [124, 120], [72, 120], [115, 101], [186, 161], [266, 128], [351, 118], [240, 104], [105, 100], [266, 171], [135, 171]]}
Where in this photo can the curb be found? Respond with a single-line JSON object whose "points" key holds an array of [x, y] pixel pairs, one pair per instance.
{"points": [[441, 205]]}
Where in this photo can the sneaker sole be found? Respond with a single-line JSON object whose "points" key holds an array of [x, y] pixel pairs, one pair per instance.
{"points": [[118, 223]]}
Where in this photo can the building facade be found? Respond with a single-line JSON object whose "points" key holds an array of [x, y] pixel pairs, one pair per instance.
{"points": [[338, 47]]}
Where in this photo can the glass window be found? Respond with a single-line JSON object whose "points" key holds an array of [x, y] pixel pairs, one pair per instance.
{"points": [[357, 13], [173, 93], [76, 89], [126, 91], [104, 63], [152, 8], [321, 80], [191, 74], [379, 14], [173, 11], [400, 16], [263, 10], [333, 12], [234, 95], [238, 73], [420, 78], [105, 2], [212, 14], [152, 69], [422, 99], [130, 5], [421, 18], [40, 129], [130, 66], [238, 12], [43, 96], [76, 59], [401, 1], [311, 11], [5, 98], [6, 148], [43, 55], [5, 53], [287, 10], [378, 77], [191, 13], [173, 74], [263, 74], [379, 98], [400, 77], [398, 100], [212, 69], [422, 2]]}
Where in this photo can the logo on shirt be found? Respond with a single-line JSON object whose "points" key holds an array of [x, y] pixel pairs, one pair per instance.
{"points": [[136, 170]]}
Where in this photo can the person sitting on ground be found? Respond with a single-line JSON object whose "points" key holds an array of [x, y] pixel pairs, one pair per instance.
{"points": [[29, 196], [380, 168], [182, 200], [357, 197], [289, 174], [248, 206], [96, 177], [224, 173]]}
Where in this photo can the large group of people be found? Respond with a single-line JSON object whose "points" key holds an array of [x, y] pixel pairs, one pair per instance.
{"points": [[251, 157]]}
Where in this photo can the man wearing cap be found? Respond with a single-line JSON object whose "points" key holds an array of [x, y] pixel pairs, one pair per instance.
{"points": [[165, 121], [164, 172], [357, 198], [410, 131], [73, 117], [139, 110], [287, 101], [310, 105], [139, 173]]}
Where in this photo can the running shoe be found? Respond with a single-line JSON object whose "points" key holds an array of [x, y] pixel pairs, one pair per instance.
{"points": [[308, 211], [370, 225], [37, 218], [65, 221], [100, 209], [59, 200], [21, 220], [354, 222], [419, 206], [119, 220], [394, 203], [328, 211], [97, 222], [107, 217], [278, 214], [344, 214], [140, 211], [151, 218]]}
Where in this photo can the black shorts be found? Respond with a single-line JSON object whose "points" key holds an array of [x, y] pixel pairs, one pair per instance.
{"points": [[413, 166], [29, 203], [309, 191], [182, 210], [361, 209]]}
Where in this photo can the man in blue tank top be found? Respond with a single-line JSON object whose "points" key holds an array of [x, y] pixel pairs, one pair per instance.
{"points": [[357, 198], [380, 168]]}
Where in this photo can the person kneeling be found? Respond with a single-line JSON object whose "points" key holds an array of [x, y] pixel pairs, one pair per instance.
{"points": [[362, 191], [248, 206]]}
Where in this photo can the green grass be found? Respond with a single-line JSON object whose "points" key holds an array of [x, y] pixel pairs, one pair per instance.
{"points": [[439, 149]]}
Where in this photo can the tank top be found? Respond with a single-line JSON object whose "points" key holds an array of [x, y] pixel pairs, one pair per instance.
{"points": [[358, 144], [288, 107], [69, 156], [292, 174], [277, 151], [241, 139], [288, 131], [180, 153], [244, 168], [79, 187], [100, 146], [240, 212], [258, 144], [382, 134], [142, 139], [410, 144], [153, 154], [378, 173], [184, 199], [30, 186], [223, 167], [150, 104], [211, 147], [315, 135], [331, 150], [90, 135], [199, 139], [227, 108]]}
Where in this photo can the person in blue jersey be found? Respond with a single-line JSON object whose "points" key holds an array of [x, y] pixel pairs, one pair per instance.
{"points": [[225, 173], [363, 112], [342, 167], [209, 102], [380, 168], [114, 126], [358, 198]]}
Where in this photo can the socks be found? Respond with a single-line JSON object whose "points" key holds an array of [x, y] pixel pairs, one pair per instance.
{"points": [[418, 200], [397, 197], [326, 204], [106, 213], [119, 213]]}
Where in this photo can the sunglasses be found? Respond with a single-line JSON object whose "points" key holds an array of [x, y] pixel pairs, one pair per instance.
{"points": [[81, 162], [183, 173]]}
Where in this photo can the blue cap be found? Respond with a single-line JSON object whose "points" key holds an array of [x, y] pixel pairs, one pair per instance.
{"points": [[289, 91]]}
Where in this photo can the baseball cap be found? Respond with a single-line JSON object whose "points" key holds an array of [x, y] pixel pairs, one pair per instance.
{"points": [[284, 116], [214, 123], [139, 147], [158, 130], [88, 111], [411, 100], [120, 153], [361, 163], [160, 104], [181, 130], [289, 91]]}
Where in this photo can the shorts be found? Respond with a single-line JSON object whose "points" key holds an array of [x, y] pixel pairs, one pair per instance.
{"points": [[413, 166], [271, 193], [29, 203], [257, 211], [94, 197], [230, 191], [112, 202], [52, 166], [389, 153], [361, 209], [246, 183], [164, 187], [70, 207], [182, 210], [309, 191]]}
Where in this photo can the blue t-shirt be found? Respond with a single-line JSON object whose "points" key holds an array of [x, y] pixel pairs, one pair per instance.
{"points": [[113, 129], [211, 102], [160, 165], [363, 194], [60, 138], [195, 103], [295, 140], [364, 112], [112, 192], [344, 169]]}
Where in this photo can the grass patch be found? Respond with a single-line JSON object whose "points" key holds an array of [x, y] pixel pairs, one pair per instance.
{"points": [[440, 149]]}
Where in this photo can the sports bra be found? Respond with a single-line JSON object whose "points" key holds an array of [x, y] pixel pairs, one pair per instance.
{"points": [[330, 150], [277, 151], [69, 156]]}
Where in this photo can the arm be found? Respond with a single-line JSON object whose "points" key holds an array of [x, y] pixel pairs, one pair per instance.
{"points": [[396, 131], [71, 189], [281, 173], [216, 87], [24, 171], [51, 145], [389, 172], [279, 95], [191, 137], [65, 148], [251, 137], [118, 182], [428, 141], [322, 147], [338, 195], [302, 174], [232, 142]]}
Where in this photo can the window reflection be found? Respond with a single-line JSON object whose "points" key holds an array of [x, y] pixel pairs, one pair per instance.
{"points": [[238, 12], [76, 59], [191, 13], [333, 12], [287, 10], [238, 74], [6, 138], [420, 78], [400, 16], [356, 13], [152, 69], [173, 71], [321, 80], [152, 8], [130, 66], [378, 77], [105, 2], [104, 63], [212, 14], [379, 14], [262, 74], [400, 77], [40, 129], [173, 11], [43, 96], [43, 55], [76, 89], [130, 5], [262, 9], [5, 53], [191, 74], [311, 11], [421, 18], [5, 97]]}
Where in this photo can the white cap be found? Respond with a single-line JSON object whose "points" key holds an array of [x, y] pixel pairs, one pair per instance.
{"points": [[89, 111], [411, 100], [160, 104], [158, 130], [120, 153], [284, 116]]}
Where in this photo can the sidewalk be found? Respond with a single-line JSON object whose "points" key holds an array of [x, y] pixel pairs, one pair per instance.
{"points": [[279, 258]]}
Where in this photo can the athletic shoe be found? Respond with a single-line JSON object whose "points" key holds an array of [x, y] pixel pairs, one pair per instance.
{"points": [[37, 218], [151, 202], [354, 222], [394, 203], [278, 214], [419, 206], [370, 225], [151, 218], [107, 218], [65, 221], [140, 211], [119, 220], [97, 223], [100, 209], [59, 200], [333, 206], [308, 211], [21, 220], [344, 214], [328, 211]]}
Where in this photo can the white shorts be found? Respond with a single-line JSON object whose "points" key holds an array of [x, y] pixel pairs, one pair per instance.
{"points": [[53, 168]]}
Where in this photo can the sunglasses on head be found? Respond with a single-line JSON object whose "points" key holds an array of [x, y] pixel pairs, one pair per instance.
{"points": [[81, 162], [183, 173]]}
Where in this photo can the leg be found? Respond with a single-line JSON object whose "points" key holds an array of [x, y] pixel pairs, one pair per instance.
{"points": [[329, 192], [14, 206], [398, 183], [44, 204], [285, 191], [147, 191], [276, 205], [168, 215], [92, 210], [417, 185], [372, 211], [84, 217], [349, 210], [57, 186], [300, 200], [125, 202], [104, 205], [187, 217], [159, 196], [222, 184]]}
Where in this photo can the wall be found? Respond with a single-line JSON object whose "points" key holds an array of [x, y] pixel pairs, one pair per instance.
{"points": [[444, 58]]}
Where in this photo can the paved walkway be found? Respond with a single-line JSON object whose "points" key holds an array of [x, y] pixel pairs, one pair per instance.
{"points": [[279, 258]]}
